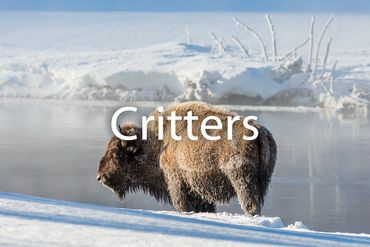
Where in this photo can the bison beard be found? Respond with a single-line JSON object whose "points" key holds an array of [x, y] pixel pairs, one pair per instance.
{"points": [[191, 175]]}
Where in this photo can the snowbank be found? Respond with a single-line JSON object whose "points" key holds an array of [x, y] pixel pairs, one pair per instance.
{"points": [[33, 221], [164, 72], [160, 72]]}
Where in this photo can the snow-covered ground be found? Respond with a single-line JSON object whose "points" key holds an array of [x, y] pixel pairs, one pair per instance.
{"points": [[143, 56], [33, 221]]}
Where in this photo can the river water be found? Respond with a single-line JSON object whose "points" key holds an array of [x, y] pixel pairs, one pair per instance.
{"points": [[52, 149]]}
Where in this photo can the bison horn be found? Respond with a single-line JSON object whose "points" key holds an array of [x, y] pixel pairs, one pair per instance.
{"points": [[123, 143]]}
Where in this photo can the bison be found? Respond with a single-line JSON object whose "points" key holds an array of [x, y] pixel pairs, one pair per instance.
{"points": [[192, 175]]}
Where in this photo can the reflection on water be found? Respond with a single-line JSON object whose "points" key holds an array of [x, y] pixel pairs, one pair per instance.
{"points": [[321, 177]]}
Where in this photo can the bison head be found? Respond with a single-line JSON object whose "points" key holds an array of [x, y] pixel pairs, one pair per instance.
{"points": [[118, 167]]}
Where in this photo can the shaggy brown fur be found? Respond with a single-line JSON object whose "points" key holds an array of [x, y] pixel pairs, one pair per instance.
{"points": [[192, 175]]}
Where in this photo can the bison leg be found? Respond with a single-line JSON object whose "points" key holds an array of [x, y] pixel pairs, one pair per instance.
{"points": [[245, 186], [206, 207], [178, 193], [201, 205], [175, 184], [182, 199]]}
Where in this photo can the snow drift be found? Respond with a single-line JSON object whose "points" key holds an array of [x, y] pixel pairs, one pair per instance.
{"points": [[164, 72], [33, 221]]}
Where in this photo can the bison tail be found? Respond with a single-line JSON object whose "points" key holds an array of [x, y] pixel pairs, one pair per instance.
{"points": [[267, 159]]}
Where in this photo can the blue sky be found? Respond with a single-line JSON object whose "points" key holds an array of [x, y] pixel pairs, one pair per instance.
{"points": [[333, 6]]}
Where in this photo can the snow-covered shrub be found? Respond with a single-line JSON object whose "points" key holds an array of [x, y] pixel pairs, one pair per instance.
{"points": [[200, 88], [356, 104], [297, 81], [284, 71]]}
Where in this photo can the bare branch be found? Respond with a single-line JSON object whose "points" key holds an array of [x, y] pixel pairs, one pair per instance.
{"points": [[295, 49], [241, 46], [188, 37], [221, 48], [332, 76], [319, 44], [325, 87], [326, 57], [310, 51], [273, 37], [259, 39]]}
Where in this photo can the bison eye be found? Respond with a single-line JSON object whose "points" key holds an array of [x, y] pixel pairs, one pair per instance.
{"points": [[117, 157]]}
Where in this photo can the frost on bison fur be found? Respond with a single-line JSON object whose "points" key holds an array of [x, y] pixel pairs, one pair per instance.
{"points": [[192, 175]]}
